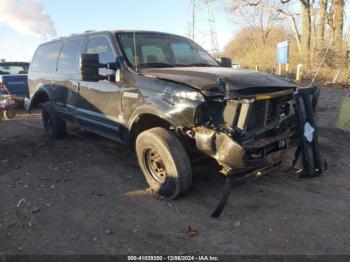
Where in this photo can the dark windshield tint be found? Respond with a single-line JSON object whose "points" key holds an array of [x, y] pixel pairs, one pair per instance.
{"points": [[13, 69], [162, 50], [45, 58]]}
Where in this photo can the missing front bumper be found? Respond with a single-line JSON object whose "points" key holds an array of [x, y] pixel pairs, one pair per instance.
{"points": [[234, 156], [304, 104]]}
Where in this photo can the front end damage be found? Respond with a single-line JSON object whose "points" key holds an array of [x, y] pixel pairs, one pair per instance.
{"points": [[249, 131], [249, 135]]}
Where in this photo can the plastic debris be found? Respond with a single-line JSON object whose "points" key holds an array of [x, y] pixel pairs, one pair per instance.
{"points": [[309, 132], [20, 202], [108, 232]]}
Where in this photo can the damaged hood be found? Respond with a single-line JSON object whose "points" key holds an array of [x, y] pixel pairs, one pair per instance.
{"points": [[215, 80]]}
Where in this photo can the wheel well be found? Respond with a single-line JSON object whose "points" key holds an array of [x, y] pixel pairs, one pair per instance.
{"points": [[144, 122], [40, 98]]}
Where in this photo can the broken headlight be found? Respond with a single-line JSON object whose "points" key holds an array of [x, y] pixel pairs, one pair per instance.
{"points": [[179, 96]]}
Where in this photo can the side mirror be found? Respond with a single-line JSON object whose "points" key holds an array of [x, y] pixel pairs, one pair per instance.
{"points": [[89, 65], [226, 62]]}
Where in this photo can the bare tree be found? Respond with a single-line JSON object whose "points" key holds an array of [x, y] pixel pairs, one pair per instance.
{"points": [[338, 24], [259, 14], [281, 8], [311, 22], [305, 29], [321, 21]]}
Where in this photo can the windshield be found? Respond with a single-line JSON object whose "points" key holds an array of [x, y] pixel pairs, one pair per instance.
{"points": [[13, 69], [162, 50]]}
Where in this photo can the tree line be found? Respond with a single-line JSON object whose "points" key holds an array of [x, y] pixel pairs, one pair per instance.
{"points": [[315, 30]]}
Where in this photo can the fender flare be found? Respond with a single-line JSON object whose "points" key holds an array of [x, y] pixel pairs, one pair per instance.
{"points": [[40, 91], [149, 110]]}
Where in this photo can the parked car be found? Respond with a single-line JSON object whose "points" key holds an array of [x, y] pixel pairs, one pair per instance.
{"points": [[167, 98], [7, 104], [14, 76]]}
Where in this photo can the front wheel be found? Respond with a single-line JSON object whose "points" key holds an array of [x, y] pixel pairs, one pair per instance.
{"points": [[164, 162]]}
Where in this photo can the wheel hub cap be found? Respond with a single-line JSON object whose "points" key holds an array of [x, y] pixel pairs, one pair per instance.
{"points": [[156, 166]]}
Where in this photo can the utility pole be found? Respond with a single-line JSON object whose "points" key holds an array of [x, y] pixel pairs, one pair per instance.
{"points": [[212, 29], [193, 6]]}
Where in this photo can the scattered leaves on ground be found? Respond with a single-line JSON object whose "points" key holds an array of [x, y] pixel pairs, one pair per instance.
{"points": [[35, 210], [191, 231]]}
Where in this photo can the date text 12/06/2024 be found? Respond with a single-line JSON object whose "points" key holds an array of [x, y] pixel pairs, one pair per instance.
{"points": [[173, 258]]}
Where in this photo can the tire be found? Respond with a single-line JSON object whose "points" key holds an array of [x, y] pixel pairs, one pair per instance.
{"points": [[55, 126], [9, 114], [164, 162]]}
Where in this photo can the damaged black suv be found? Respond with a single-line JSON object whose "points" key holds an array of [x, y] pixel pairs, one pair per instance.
{"points": [[167, 98]]}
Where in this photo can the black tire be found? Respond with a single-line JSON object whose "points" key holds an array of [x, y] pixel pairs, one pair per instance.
{"points": [[9, 114], [54, 125], [170, 173]]}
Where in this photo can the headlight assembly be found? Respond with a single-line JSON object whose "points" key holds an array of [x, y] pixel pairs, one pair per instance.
{"points": [[174, 97]]}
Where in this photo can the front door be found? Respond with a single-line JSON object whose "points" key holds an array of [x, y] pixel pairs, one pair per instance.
{"points": [[99, 104]]}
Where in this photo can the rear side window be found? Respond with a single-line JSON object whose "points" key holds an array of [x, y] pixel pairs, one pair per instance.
{"points": [[13, 69], [69, 57], [100, 45], [45, 58]]}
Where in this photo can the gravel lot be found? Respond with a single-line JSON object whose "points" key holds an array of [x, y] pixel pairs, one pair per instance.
{"points": [[86, 195]]}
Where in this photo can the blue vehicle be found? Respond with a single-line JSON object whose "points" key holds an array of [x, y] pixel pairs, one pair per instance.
{"points": [[13, 76], [7, 104]]}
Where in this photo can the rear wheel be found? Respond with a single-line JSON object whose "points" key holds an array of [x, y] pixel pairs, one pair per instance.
{"points": [[54, 125], [164, 162]]}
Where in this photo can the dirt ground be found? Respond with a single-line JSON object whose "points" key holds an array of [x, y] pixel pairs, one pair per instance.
{"points": [[92, 199]]}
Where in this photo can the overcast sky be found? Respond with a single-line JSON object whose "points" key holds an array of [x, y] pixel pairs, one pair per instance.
{"points": [[24, 24]]}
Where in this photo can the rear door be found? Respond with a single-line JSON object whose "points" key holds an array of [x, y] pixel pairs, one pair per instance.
{"points": [[67, 76], [43, 68], [99, 103]]}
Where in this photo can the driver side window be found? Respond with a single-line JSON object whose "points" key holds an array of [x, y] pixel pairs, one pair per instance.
{"points": [[100, 45]]}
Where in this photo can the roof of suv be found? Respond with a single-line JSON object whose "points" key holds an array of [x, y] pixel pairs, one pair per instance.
{"points": [[93, 32]]}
